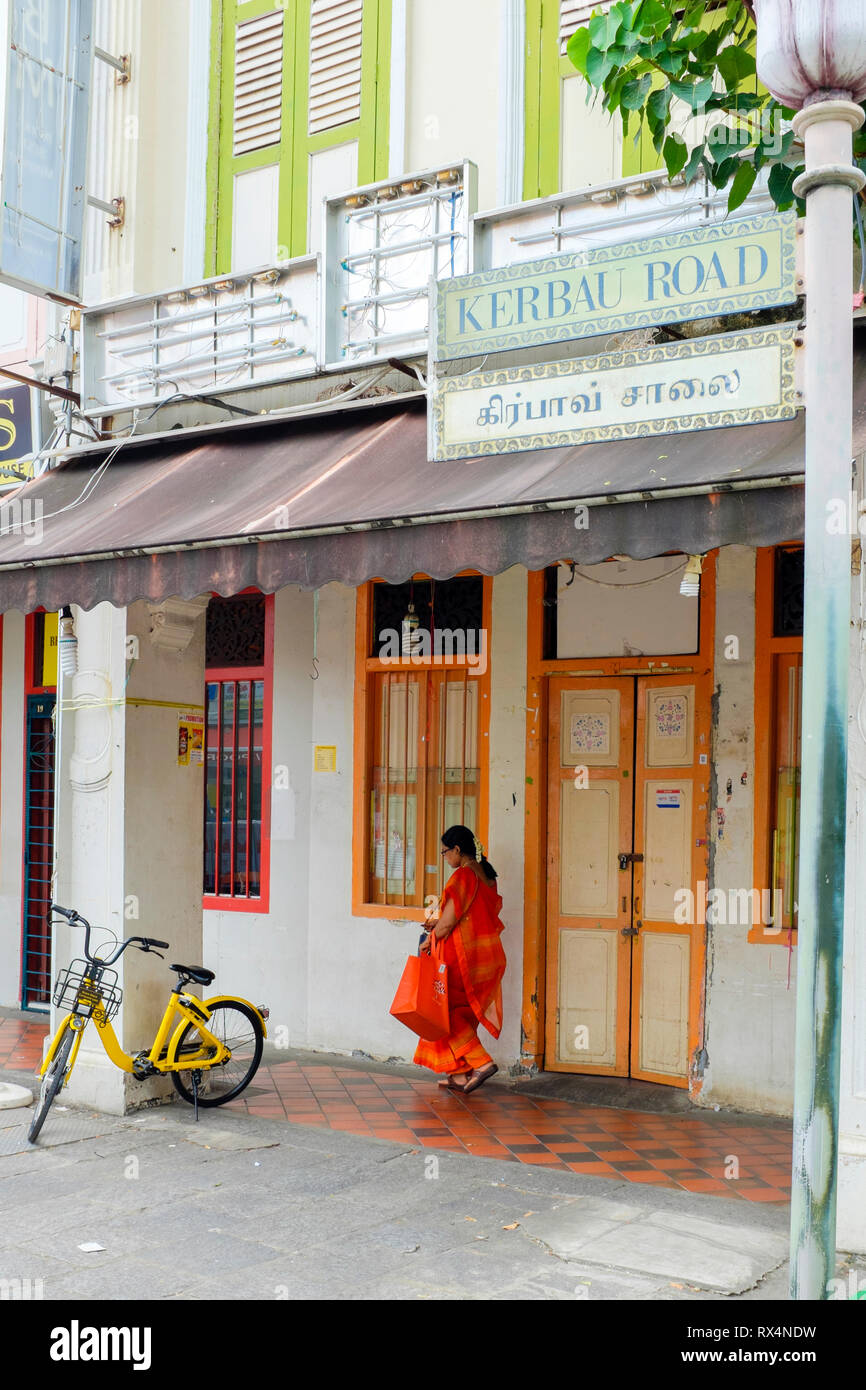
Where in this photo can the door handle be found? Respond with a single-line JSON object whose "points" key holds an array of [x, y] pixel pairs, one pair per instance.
{"points": [[626, 859]]}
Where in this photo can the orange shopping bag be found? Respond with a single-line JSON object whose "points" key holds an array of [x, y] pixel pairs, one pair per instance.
{"points": [[421, 1001]]}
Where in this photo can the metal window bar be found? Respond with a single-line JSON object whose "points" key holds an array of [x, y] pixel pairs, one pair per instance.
{"points": [[129, 330]]}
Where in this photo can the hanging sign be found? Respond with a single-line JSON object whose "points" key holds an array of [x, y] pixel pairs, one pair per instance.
{"points": [[45, 79], [705, 383], [725, 268], [15, 432]]}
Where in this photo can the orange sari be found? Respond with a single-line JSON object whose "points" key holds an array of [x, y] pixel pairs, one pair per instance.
{"points": [[476, 963]]}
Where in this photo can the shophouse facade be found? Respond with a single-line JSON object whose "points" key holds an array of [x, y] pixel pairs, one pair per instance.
{"points": [[262, 775]]}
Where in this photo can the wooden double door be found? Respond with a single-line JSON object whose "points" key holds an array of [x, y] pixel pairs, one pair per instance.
{"points": [[628, 793]]}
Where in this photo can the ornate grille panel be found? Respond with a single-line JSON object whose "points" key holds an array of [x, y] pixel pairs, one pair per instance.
{"points": [[235, 631]]}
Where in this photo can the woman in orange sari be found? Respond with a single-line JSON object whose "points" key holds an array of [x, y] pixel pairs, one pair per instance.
{"points": [[469, 929]]}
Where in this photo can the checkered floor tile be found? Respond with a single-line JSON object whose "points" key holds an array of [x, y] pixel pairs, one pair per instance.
{"points": [[743, 1157]]}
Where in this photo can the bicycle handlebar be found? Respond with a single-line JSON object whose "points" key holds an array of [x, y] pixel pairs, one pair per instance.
{"points": [[76, 920]]}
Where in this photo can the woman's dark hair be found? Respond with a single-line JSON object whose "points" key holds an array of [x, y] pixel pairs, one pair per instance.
{"points": [[460, 837]]}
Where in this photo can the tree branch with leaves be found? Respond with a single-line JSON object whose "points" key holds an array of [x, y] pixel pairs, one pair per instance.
{"points": [[652, 59]]}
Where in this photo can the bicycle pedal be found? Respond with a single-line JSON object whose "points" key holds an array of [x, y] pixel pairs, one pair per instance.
{"points": [[142, 1066]]}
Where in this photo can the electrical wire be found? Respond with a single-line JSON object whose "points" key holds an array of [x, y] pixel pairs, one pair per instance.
{"points": [[636, 584]]}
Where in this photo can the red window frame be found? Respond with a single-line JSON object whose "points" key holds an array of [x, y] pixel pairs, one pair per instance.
{"points": [[233, 902]]}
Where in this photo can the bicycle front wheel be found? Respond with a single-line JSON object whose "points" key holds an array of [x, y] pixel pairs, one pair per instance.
{"points": [[51, 1083], [240, 1030]]}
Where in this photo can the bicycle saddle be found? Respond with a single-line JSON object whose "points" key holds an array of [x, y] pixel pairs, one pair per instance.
{"points": [[195, 972]]}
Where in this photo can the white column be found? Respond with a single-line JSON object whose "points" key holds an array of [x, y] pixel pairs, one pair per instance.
{"points": [[851, 1199], [89, 827]]}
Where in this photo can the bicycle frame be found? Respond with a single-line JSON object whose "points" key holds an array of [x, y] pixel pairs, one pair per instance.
{"points": [[163, 1055]]}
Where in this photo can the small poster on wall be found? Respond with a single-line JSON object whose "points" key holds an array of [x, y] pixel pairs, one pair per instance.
{"points": [[190, 740]]}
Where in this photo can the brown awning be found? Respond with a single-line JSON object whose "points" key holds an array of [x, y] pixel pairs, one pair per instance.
{"points": [[349, 495]]}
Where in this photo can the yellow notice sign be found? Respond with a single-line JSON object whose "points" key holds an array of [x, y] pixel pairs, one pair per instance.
{"points": [[325, 758], [49, 650], [190, 740]]}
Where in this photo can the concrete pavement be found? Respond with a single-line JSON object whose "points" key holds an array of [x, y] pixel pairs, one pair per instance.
{"points": [[242, 1208]]}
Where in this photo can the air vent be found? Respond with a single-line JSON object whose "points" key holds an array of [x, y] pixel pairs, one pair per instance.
{"points": [[335, 63], [258, 82]]}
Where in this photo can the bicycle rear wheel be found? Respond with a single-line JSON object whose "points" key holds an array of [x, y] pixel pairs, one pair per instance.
{"points": [[238, 1028], [51, 1083]]}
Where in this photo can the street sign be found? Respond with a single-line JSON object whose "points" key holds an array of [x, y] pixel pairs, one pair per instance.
{"points": [[44, 98], [704, 383], [723, 268]]}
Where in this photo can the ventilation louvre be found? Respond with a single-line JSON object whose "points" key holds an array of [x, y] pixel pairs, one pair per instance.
{"points": [[335, 63], [258, 83], [574, 13]]}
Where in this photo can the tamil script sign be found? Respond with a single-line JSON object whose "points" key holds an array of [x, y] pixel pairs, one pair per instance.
{"points": [[704, 383], [726, 268]]}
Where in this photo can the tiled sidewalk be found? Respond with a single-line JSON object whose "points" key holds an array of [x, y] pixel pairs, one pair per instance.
{"points": [[690, 1152]]}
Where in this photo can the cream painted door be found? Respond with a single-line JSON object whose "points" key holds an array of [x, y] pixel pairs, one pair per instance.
{"points": [[671, 799], [627, 814], [589, 908]]}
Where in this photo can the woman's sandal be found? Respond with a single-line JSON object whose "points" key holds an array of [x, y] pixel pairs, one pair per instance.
{"points": [[480, 1079], [449, 1084]]}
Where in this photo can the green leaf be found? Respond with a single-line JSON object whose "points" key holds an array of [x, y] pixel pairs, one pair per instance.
{"points": [[598, 67], [735, 65], [724, 142], [695, 93], [658, 103], [603, 28], [634, 94], [652, 17], [722, 173], [779, 184], [675, 154], [578, 48], [691, 166], [742, 185]]}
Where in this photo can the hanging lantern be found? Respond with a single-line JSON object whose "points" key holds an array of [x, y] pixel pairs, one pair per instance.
{"points": [[411, 637], [808, 50]]}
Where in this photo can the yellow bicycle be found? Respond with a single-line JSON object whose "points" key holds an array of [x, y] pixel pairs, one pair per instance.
{"points": [[211, 1048]]}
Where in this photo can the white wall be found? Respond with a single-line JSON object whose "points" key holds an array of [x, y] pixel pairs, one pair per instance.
{"points": [[327, 976], [138, 148], [162, 879], [749, 1006], [452, 83], [11, 808]]}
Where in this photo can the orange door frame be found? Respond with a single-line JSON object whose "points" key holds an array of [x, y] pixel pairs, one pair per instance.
{"points": [[700, 665]]}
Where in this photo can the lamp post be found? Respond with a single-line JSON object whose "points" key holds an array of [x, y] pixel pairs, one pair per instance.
{"points": [[811, 55]]}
